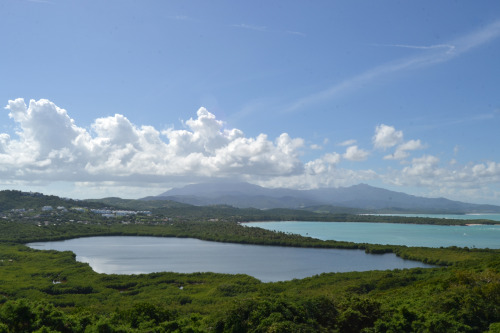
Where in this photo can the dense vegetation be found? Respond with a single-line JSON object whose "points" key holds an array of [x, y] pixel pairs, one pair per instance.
{"points": [[10, 200], [49, 291], [321, 213]]}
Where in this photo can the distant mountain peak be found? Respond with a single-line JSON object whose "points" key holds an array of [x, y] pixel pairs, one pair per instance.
{"points": [[361, 196]]}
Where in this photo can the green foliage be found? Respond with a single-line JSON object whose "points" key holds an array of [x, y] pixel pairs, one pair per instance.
{"points": [[49, 291], [25, 316], [146, 314], [140, 205], [494, 328], [179, 211], [10, 199]]}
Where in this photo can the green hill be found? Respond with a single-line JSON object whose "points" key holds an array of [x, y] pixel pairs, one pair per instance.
{"points": [[138, 204]]}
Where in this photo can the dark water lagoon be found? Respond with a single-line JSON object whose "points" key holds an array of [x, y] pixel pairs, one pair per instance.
{"points": [[478, 236], [135, 254]]}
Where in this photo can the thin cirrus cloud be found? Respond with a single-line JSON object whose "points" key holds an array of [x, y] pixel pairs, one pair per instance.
{"points": [[250, 27], [41, 1], [297, 33], [436, 54], [347, 142], [265, 29], [449, 48]]}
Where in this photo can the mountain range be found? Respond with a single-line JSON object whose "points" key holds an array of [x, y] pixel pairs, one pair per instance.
{"points": [[363, 197]]}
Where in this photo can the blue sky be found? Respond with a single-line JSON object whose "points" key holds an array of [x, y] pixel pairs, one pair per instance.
{"points": [[130, 98]]}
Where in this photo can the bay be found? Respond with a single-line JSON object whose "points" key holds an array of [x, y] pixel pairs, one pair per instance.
{"points": [[137, 254], [493, 217], [473, 236]]}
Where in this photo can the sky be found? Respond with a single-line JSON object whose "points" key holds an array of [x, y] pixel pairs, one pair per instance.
{"points": [[132, 98]]}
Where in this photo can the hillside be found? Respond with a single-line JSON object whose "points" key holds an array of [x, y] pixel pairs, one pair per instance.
{"points": [[138, 204], [362, 197], [10, 199]]}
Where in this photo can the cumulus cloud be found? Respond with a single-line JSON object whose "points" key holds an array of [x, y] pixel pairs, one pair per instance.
{"points": [[49, 147], [386, 137], [425, 167], [324, 164], [49, 142], [329, 178], [321, 172], [402, 150], [489, 170], [478, 181], [353, 153]]}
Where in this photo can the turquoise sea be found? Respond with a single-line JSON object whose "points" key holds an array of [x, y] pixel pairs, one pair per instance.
{"points": [[494, 217], [473, 236]]}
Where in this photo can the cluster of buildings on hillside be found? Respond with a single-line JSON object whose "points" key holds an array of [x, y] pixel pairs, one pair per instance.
{"points": [[115, 213], [102, 212]]}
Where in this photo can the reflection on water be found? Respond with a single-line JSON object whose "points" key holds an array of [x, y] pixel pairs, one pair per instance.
{"points": [[134, 255]]}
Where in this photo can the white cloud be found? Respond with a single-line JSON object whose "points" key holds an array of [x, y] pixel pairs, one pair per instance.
{"points": [[324, 164], [425, 167], [321, 176], [348, 143], [353, 153], [401, 151], [49, 148], [50, 143], [250, 27], [411, 145], [321, 172], [489, 170], [448, 47], [42, 1], [473, 183], [301, 34], [386, 137], [331, 158]]}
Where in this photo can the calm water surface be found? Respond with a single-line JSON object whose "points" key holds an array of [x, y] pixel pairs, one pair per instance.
{"points": [[479, 236], [134, 255], [493, 217]]}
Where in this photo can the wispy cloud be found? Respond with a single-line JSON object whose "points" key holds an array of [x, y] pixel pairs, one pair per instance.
{"points": [[297, 33], [262, 28], [42, 1], [181, 18], [449, 48], [434, 56], [451, 121], [347, 143], [250, 27]]}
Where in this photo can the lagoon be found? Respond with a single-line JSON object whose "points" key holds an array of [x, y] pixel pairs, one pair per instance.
{"points": [[137, 254], [478, 236]]}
